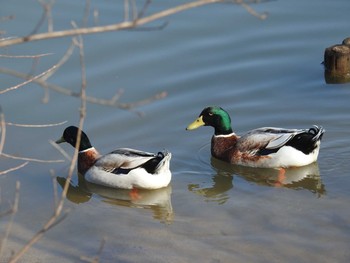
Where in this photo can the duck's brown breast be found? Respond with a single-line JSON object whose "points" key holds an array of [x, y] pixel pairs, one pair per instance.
{"points": [[86, 159], [223, 147]]}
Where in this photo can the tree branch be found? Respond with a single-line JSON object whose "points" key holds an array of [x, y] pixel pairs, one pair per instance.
{"points": [[107, 28], [28, 81]]}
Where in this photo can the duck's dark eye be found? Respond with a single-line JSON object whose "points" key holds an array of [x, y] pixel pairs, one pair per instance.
{"points": [[210, 114]]}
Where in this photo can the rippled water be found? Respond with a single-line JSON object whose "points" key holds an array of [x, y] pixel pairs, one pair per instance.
{"points": [[263, 72]]}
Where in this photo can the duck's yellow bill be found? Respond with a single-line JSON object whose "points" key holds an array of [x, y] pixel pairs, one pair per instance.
{"points": [[196, 124]]}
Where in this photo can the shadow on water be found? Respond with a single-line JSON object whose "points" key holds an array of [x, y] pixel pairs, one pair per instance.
{"points": [[158, 201], [300, 178]]}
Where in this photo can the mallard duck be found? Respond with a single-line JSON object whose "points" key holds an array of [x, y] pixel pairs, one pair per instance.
{"points": [[123, 168], [267, 147]]}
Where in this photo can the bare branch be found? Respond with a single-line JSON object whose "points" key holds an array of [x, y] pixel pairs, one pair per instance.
{"points": [[144, 8], [40, 22], [251, 10], [14, 168], [2, 130], [104, 102], [14, 207], [62, 61], [55, 219], [57, 216], [114, 27], [63, 152], [54, 183], [28, 81], [30, 159], [35, 125], [25, 56], [11, 212], [86, 13]]}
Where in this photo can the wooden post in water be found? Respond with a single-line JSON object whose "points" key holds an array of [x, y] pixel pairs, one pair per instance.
{"points": [[337, 63]]}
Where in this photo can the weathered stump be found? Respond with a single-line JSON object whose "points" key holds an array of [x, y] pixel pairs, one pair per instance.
{"points": [[337, 63]]}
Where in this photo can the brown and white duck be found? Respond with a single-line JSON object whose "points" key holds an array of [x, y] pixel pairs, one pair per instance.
{"points": [[266, 147], [123, 168]]}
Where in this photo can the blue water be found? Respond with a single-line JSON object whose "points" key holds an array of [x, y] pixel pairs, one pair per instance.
{"points": [[263, 72]]}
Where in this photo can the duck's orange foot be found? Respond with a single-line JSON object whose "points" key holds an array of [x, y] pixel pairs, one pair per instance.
{"points": [[134, 194], [281, 177]]}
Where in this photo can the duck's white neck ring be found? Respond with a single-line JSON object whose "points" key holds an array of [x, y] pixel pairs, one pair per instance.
{"points": [[86, 150], [225, 135]]}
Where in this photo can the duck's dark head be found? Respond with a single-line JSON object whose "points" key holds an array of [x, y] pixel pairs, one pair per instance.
{"points": [[213, 116], [70, 135]]}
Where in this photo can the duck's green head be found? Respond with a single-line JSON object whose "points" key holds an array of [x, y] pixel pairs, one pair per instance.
{"points": [[70, 136], [213, 116]]}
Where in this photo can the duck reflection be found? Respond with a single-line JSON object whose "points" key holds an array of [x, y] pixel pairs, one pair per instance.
{"points": [[216, 192], [300, 178], [158, 201]]}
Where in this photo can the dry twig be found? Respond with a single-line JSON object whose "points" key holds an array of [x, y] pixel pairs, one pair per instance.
{"points": [[28, 81], [12, 211], [106, 102], [114, 27], [35, 125], [60, 149], [25, 56], [30, 159], [47, 7], [14, 168], [2, 130], [58, 215]]}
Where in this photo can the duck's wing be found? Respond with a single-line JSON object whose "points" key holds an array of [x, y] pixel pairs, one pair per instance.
{"points": [[277, 137], [267, 140], [123, 159]]}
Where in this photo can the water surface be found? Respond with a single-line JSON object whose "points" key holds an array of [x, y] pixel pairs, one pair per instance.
{"points": [[263, 72]]}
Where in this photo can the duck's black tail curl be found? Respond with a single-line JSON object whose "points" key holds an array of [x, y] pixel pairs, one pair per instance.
{"points": [[317, 132], [152, 165], [307, 140]]}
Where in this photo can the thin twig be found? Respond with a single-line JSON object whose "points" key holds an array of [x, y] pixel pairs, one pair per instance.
{"points": [[54, 183], [113, 27], [86, 13], [55, 219], [57, 216], [28, 81], [104, 102], [14, 207], [35, 63], [35, 125], [251, 10], [144, 8], [61, 62], [134, 9], [126, 10], [117, 96], [30, 159], [25, 56], [49, 16], [41, 20], [63, 152], [14, 168], [12, 212], [2, 130]]}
